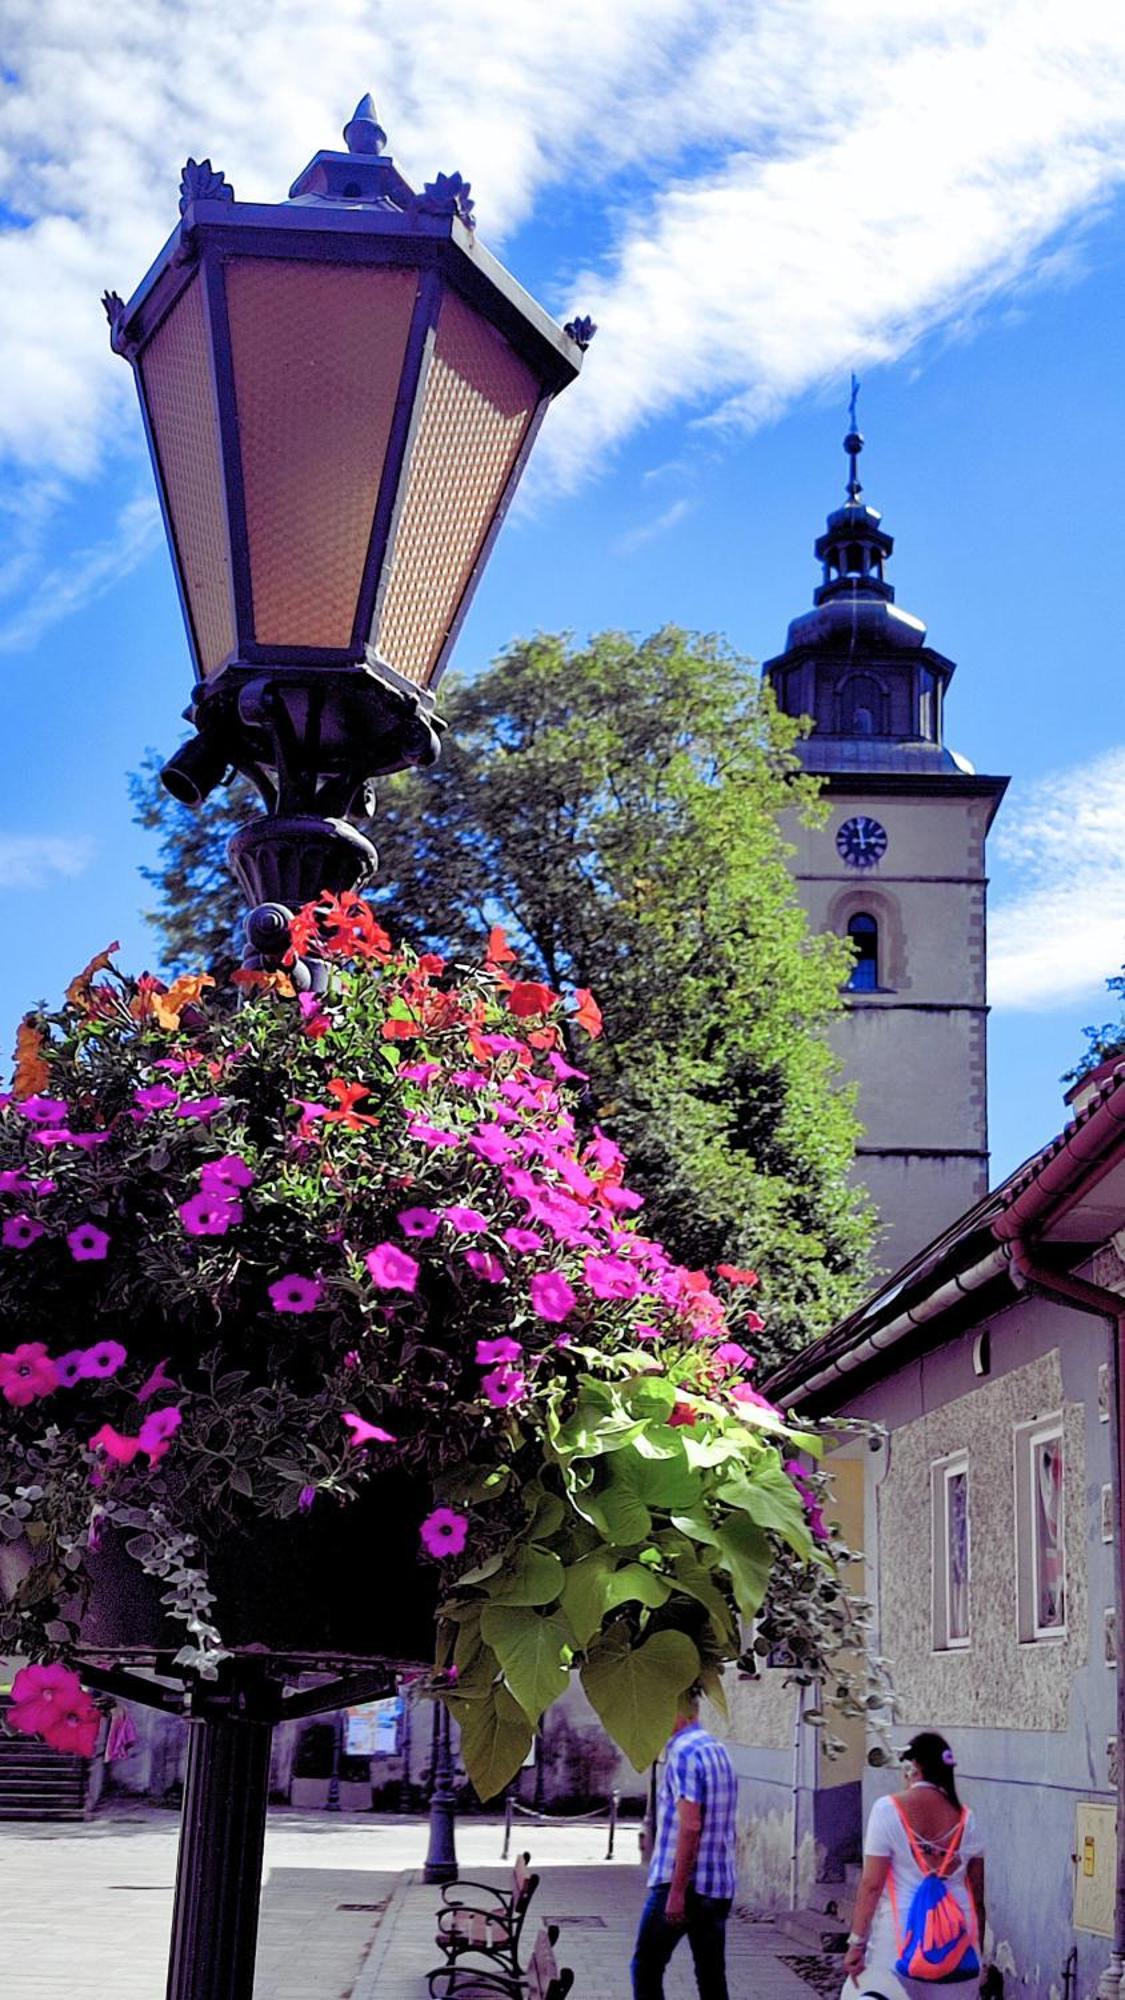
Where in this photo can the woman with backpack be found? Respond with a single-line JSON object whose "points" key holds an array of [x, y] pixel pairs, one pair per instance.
{"points": [[919, 1908]]}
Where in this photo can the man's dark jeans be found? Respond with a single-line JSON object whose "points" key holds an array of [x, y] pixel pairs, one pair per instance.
{"points": [[706, 1933]]}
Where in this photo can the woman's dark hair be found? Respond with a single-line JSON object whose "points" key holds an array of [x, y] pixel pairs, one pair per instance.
{"points": [[934, 1761]]}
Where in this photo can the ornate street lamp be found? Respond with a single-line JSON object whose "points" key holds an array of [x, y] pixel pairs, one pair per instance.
{"points": [[340, 393]]}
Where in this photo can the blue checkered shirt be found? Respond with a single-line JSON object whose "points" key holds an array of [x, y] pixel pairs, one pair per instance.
{"points": [[696, 1767]]}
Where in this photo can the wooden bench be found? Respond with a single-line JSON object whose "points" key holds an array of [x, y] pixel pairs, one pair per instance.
{"points": [[544, 1979], [489, 1923]]}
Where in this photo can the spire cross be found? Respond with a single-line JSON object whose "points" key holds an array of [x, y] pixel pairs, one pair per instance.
{"points": [[853, 445]]}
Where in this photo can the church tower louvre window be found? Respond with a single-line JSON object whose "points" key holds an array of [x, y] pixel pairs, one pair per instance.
{"points": [[899, 870]]}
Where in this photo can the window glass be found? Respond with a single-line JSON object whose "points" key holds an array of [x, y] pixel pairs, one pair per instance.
{"points": [[1047, 1496], [864, 934]]}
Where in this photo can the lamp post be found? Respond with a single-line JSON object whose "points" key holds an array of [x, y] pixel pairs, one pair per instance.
{"points": [[340, 393], [441, 1855]]}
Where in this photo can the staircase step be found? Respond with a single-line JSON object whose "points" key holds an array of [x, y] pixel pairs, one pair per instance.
{"points": [[833, 1899], [812, 1930]]}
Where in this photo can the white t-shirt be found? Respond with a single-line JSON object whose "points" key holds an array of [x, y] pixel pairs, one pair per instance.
{"points": [[887, 1838]]}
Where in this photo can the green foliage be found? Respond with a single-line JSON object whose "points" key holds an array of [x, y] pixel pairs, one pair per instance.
{"points": [[1103, 1042], [617, 806]]}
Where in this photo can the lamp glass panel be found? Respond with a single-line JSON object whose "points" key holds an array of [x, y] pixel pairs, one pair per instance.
{"points": [[479, 399], [317, 351], [176, 373]]}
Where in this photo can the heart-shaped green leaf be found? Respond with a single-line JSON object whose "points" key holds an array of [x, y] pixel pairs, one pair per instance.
{"points": [[495, 1739], [535, 1576], [635, 1690], [533, 1652]]}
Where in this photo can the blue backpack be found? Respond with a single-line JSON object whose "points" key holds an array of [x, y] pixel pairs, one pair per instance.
{"points": [[935, 1941]]}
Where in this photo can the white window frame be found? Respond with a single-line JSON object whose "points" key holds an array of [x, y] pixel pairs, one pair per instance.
{"points": [[1027, 1437], [942, 1471]]}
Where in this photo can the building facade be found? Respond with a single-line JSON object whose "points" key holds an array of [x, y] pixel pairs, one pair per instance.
{"points": [[899, 868]]}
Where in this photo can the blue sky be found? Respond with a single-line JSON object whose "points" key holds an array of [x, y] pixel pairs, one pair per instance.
{"points": [[751, 200]]}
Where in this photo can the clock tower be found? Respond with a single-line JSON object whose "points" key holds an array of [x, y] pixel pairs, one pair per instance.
{"points": [[899, 868]]}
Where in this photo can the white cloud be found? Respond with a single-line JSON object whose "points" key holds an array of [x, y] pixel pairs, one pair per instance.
{"points": [[650, 531], [29, 860], [1062, 932], [84, 577], [792, 186]]}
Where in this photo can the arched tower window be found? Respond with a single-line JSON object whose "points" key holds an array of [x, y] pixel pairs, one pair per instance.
{"points": [[863, 932], [862, 703]]}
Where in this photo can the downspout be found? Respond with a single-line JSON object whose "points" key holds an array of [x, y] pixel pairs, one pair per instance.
{"points": [[1086, 1297]]}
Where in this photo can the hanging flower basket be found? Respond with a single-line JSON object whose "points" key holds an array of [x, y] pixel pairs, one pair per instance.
{"points": [[320, 1313]]}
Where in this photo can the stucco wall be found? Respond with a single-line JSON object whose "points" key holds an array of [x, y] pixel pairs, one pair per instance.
{"points": [[997, 1682]]}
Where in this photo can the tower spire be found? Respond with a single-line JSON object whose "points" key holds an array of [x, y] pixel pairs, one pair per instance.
{"points": [[853, 445]]}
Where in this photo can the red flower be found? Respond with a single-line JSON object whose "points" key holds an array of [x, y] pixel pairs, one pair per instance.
{"points": [[734, 1276], [499, 951], [347, 1096], [530, 996], [350, 923], [588, 1014], [683, 1413], [400, 1031]]}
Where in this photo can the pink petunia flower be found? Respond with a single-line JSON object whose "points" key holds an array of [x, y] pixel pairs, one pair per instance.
{"points": [[503, 1387], [468, 1079], [157, 1431], [48, 1135], [551, 1297], [26, 1374], [444, 1533], [294, 1294], [44, 1110], [19, 1231], [49, 1701], [123, 1450], [68, 1367], [524, 1239], [431, 1136], [566, 1071], [102, 1360], [422, 1073], [202, 1109], [731, 1355], [13, 1182], [156, 1097], [223, 1175], [611, 1278], [485, 1266], [644, 1332], [88, 1244], [490, 1142], [498, 1045], [391, 1269], [420, 1223], [157, 1381], [209, 1215], [621, 1198], [466, 1221], [364, 1433], [743, 1393], [305, 1499], [503, 1349]]}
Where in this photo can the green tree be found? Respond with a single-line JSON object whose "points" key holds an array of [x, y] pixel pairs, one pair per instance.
{"points": [[616, 807], [1103, 1042]]}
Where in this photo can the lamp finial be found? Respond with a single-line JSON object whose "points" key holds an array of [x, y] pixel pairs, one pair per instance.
{"points": [[363, 132]]}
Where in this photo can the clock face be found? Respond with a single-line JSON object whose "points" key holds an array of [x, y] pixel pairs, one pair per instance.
{"points": [[861, 841]]}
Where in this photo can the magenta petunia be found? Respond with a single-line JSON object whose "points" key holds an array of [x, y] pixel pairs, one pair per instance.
{"points": [[524, 1239], [503, 1349], [620, 1198], [485, 1266], [499, 1045], [503, 1387], [551, 1297], [422, 1073], [13, 1182], [644, 1332], [611, 1278], [44, 1110], [49, 1135], [26, 1374], [603, 1152], [566, 1071], [102, 1360], [466, 1221], [490, 1142], [364, 1433], [294, 1294], [223, 1175], [420, 1223], [391, 1269], [202, 1109], [123, 1450], [19, 1231], [69, 1367], [157, 1431], [431, 1136], [158, 1380], [468, 1079], [49, 1701], [444, 1533], [88, 1244], [209, 1215], [156, 1097], [731, 1355]]}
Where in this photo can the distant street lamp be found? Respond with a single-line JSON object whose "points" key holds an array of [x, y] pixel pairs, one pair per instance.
{"points": [[340, 393]]}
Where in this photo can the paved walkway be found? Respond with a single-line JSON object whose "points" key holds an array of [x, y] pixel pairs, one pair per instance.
{"points": [[86, 1909], [596, 1908]]}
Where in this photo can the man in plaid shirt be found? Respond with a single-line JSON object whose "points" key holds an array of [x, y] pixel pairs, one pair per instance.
{"points": [[692, 1877]]}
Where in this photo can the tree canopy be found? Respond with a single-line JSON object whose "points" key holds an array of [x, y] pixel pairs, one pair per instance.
{"points": [[616, 806]]}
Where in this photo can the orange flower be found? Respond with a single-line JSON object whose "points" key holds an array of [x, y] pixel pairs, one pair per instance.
{"points": [[253, 981], [183, 992], [347, 1096], [31, 1073], [400, 1031], [499, 951], [544, 1038], [530, 996], [588, 1014], [78, 992]]}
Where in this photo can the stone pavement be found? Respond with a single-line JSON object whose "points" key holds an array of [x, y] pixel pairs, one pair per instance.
{"points": [[85, 1909], [596, 1908]]}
